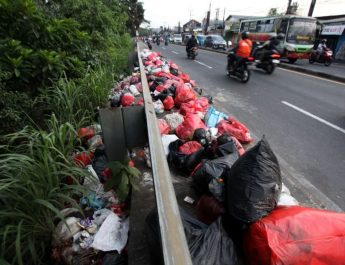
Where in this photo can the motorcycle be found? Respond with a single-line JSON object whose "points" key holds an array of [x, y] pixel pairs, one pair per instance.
{"points": [[269, 62], [192, 53], [325, 57], [166, 42], [241, 69], [149, 45]]}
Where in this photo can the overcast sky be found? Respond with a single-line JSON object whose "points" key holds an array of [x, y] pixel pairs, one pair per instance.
{"points": [[169, 12]]}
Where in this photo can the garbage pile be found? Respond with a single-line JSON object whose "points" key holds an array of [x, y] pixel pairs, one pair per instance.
{"points": [[240, 189]]}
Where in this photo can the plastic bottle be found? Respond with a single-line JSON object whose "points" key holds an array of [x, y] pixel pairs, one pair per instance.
{"points": [[216, 187]]}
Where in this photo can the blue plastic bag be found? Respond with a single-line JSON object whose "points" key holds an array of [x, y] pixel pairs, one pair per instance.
{"points": [[214, 116]]}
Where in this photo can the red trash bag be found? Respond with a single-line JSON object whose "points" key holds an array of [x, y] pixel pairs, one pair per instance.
{"points": [[168, 103], [203, 102], [189, 147], [296, 235], [140, 102], [193, 83], [83, 159], [164, 127], [209, 209], [185, 77], [236, 129], [186, 129], [86, 132], [190, 107], [184, 94], [127, 100]]}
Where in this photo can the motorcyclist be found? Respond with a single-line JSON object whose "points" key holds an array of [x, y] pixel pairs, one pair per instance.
{"points": [[321, 48], [275, 44], [191, 43], [242, 50]]}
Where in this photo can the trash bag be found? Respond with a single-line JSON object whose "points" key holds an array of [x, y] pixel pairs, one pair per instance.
{"points": [[83, 159], [256, 171], [190, 107], [114, 258], [208, 245], [134, 90], [209, 98], [99, 163], [189, 147], [198, 90], [166, 140], [200, 136], [112, 235], [228, 145], [127, 100], [163, 126], [168, 103], [236, 129], [115, 99], [184, 94], [209, 169], [174, 120], [140, 102], [208, 209], [213, 117], [86, 132], [185, 77], [296, 235], [203, 102], [193, 83], [158, 106], [181, 161], [217, 248], [189, 125]]}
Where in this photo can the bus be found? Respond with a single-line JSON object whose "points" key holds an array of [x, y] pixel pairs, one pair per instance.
{"points": [[299, 33]]}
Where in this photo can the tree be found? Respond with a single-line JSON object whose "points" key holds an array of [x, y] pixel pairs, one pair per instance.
{"points": [[273, 12], [135, 12]]}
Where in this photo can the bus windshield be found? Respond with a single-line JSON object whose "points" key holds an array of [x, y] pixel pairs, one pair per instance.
{"points": [[301, 31]]}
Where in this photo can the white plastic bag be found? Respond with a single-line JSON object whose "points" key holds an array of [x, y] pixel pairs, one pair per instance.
{"points": [[166, 140], [158, 106], [112, 235], [134, 90], [174, 120], [100, 215]]}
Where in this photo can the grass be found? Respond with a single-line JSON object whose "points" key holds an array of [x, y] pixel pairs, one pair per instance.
{"points": [[32, 190]]}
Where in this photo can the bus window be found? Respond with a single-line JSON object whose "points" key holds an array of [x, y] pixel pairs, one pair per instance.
{"points": [[252, 26], [283, 26], [301, 31], [246, 26]]}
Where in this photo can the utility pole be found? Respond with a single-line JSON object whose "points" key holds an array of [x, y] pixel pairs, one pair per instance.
{"points": [[223, 28], [288, 10], [179, 28], [311, 9], [217, 15], [207, 19]]}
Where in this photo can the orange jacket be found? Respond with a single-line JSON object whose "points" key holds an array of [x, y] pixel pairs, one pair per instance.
{"points": [[244, 48]]}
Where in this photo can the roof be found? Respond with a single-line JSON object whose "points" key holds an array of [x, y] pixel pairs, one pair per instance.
{"points": [[331, 17], [240, 17], [191, 21]]}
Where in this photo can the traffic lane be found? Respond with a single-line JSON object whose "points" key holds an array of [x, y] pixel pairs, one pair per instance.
{"points": [[318, 95], [312, 149]]}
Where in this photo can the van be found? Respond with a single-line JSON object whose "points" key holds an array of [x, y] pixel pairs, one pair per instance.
{"points": [[178, 38]]}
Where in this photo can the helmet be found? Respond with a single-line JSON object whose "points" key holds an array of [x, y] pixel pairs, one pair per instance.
{"points": [[273, 36], [245, 35], [281, 36], [324, 41]]}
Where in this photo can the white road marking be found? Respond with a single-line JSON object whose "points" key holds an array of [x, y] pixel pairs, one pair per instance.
{"points": [[163, 48], [314, 117], [321, 78], [210, 67], [174, 52]]}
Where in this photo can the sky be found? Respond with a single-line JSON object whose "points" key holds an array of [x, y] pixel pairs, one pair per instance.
{"points": [[169, 12]]}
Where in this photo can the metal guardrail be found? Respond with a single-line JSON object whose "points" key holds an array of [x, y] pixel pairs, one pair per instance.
{"points": [[174, 243]]}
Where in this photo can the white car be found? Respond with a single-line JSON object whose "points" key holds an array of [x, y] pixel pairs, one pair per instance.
{"points": [[178, 38]]}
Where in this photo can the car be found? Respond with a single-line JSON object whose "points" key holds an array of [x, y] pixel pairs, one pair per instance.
{"points": [[215, 42], [178, 38], [171, 38]]}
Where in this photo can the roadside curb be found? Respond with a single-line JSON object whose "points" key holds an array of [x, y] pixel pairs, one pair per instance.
{"points": [[290, 67]]}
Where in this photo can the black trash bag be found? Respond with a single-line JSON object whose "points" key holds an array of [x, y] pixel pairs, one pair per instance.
{"points": [[100, 161], [198, 90], [173, 71], [210, 169], [115, 100], [208, 245], [209, 98], [224, 138], [181, 161], [114, 258], [200, 136], [172, 90], [162, 95], [227, 149], [257, 171], [217, 248], [194, 231]]}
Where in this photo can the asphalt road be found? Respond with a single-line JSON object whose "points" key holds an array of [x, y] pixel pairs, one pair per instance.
{"points": [[302, 116]]}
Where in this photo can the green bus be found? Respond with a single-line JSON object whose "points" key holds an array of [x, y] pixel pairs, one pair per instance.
{"points": [[299, 33]]}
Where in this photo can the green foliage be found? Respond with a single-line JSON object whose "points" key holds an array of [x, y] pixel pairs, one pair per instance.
{"points": [[123, 177], [33, 192], [135, 12], [44, 44]]}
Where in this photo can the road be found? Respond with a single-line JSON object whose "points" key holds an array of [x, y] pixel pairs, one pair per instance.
{"points": [[302, 116]]}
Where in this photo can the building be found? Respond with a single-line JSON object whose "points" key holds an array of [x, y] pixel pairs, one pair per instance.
{"points": [[191, 25], [232, 26], [333, 29]]}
